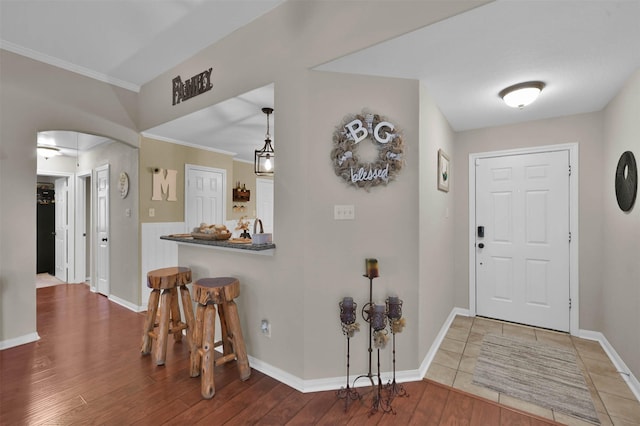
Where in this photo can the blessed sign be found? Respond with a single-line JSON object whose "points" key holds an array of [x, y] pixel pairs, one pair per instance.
{"points": [[194, 86], [383, 134]]}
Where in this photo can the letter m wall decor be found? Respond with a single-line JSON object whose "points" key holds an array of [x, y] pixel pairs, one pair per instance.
{"points": [[164, 181]]}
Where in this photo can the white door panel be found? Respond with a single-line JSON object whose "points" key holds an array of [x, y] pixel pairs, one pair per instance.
{"points": [[61, 228], [205, 188], [102, 230], [522, 273], [264, 203]]}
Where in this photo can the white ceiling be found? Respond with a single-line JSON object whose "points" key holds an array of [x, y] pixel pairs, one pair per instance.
{"points": [[582, 50]]}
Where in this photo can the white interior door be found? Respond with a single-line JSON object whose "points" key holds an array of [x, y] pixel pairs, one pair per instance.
{"points": [[102, 230], [264, 203], [522, 259], [205, 196], [61, 227]]}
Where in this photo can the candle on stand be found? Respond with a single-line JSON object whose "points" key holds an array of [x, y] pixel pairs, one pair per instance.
{"points": [[377, 317], [395, 307], [371, 268], [347, 311]]}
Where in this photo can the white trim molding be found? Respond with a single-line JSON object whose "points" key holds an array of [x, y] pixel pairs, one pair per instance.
{"points": [[618, 363], [17, 341]]}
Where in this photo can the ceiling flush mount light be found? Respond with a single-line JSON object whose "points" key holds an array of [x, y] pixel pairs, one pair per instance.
{"points": [[48, 151], [264, 158], [522, 94]]}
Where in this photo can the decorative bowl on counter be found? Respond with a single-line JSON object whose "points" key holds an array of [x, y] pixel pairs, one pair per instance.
{"points": [[211, 236]]}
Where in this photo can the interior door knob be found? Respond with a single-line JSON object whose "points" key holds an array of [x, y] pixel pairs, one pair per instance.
{"points": [[104, 239], [481, 245]]}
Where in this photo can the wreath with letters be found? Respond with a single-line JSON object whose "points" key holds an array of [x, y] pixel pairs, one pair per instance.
{"points": [[355, 129]]}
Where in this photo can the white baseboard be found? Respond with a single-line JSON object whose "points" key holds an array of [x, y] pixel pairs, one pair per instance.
{"points": [[334, 383], [428, 359], [17, 341], [329, 383], [124, 303], [617, 361]]}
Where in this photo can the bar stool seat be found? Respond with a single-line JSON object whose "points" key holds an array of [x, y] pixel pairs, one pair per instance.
{"points": [[166, 281], [209, 292]]}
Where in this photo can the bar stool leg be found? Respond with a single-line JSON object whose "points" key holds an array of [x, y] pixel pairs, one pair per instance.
{"points": [[227, 344], [197, 342], [208, 334], [163, 327], [150, 321], [187, 307], [238, 341], [176, 318]]}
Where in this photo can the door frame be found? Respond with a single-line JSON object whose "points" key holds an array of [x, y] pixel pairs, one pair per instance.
{"points": [[574, 280], [71, 200], [82, 228]]}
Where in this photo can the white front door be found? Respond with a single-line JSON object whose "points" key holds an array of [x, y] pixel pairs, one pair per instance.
{"points": [[102, 230], [522, 238], [264, 203], [61, 227], [205, 199]]}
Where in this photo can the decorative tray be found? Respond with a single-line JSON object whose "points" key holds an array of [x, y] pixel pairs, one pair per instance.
{"points": [[240, 240], [215, 237]]}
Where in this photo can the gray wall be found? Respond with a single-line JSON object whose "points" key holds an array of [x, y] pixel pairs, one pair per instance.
{"points": [[620, 257], [586, 131]]}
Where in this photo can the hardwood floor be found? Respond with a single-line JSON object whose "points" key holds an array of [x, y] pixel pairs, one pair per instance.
{"points": [[87, 369]]}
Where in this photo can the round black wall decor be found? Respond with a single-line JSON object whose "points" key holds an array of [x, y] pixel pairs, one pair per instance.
{"points": [[626, 181]]}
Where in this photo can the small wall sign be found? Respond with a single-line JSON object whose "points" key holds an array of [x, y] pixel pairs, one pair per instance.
{"points": [[353, 130], [196, 85]]}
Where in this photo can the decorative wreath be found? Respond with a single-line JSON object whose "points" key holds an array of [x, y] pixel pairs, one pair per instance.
{"points": [[344, 155]]}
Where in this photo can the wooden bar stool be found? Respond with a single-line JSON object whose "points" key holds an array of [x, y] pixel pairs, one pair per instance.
{"points": [[209, 292], [170, 321]]}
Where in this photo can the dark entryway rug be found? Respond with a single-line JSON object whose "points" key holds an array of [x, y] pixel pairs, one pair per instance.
{"points": [[544, 375]]}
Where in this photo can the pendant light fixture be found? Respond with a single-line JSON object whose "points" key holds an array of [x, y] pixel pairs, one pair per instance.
{"points": [[522, 94], [263, 163]]}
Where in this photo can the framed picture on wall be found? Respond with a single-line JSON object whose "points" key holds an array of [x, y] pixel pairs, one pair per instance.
{"points": [[444, 171]]}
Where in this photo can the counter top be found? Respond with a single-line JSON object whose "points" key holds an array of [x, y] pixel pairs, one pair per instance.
{"points": [[224, 244]]}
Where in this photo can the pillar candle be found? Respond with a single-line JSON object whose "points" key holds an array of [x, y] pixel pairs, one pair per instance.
{"points": [[377, 317], [371, 268], [347, 311]]}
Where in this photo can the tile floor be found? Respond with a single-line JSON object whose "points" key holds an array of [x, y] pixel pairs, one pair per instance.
{"points": [[455, 361]]}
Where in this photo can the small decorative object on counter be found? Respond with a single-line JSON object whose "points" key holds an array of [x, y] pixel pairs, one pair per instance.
{"points": [[243, 224], [261, 237]]}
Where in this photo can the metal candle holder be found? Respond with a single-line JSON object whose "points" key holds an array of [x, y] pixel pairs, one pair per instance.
{"points": [[379, 323], [394, 312], [347, 318]]}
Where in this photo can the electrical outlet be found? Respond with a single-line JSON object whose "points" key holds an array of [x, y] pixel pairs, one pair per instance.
{"points": [[344, 212], [265, 327], [152, 212]]}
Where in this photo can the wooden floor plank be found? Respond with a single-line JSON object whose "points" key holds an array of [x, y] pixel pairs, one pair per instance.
{"points": [[87, 369]]}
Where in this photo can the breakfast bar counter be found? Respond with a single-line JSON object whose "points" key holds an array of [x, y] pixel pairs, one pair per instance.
{"points": [[264, 249]]}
